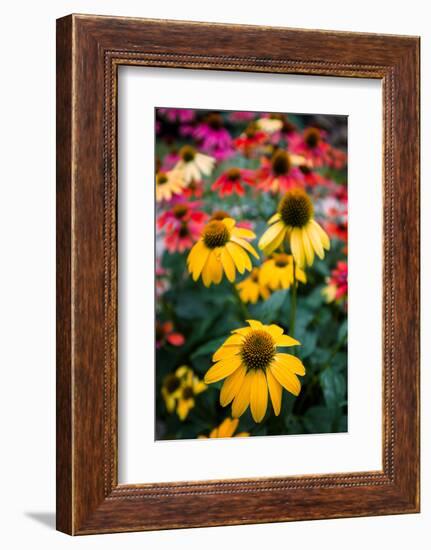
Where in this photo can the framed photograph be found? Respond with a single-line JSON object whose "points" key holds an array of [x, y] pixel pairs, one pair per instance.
{"points": [[237, 274]]}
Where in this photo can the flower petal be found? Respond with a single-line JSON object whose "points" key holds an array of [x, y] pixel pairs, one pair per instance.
{"points": [[231, 386], [254, 324], [245, 245], [271, 235], [258, 395], [314, 237], [228, 264], [222, 369], [285, 377], [228, 427], [286, 341], [297, 246], [225, 352], [273, 218], [242, 399], [323, 236], [308, 249], [243, 232], [275, 391], [291, 362], [240, 257]]}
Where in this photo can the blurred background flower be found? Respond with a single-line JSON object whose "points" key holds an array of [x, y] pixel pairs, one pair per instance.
{"points": [[224, 183]]}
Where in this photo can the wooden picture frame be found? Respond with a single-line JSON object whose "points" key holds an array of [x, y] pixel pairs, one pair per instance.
{"points": [[89, 51]]}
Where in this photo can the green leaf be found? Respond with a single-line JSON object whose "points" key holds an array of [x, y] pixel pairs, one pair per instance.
{"points": [[209, 347], [342, 331], [271, 308], [318, 420], [333, 387]]}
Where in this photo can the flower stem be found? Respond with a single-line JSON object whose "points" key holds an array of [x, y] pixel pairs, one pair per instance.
{"points": [[242, 306], [293, 302]]}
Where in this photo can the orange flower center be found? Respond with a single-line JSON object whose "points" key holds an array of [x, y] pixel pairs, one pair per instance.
{"points": [[215, 121], [187, 153], [215, 234], [280, 163], [172, 383], [282, 260], [295, 208], [219, 215], [161, 178], [258, 350], [234, 174], [188, 392], [312, 137], [180, 210]]}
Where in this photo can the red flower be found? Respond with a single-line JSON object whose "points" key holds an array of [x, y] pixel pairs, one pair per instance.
{"points": [[311, 144], [232, 181], [193, 189], [183, 225], [279, 174], [250, 140], [165, 333], [337, 283]]}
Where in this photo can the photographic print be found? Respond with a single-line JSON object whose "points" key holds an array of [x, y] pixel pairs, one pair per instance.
{"points": [[251, 273]]}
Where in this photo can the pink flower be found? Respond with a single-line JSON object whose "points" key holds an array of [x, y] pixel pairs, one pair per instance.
{"points": [[183, 225], [279, 174], [169, 161], [232, 181], [177, 115], [241, 116], [213, 137]]}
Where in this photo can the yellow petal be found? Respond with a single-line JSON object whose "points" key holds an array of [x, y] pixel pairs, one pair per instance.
{"points": [[242, 399], [225, 352], [254, 324], [222, 369], [285, 377], [231, 386], [274, 330], [243, 331], [286, 341], [297, 246], [206, 271], [273, 218], [228, 264], [323, 236], [215, 266], [314, 237], [234, 340], [227, 427], [197, 259], [271, 234], [291, 362], [241, 259], [275, 391], [245, 245], [258, 395], [229, 223], [243, 232], [308, 249]]}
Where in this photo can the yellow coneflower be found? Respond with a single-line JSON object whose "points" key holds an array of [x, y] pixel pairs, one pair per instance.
{"points": [[171, 387], [225, 429], [251, 364], [221, 248], [168, 184], [193, 164], [190, 387], [277, 272], [251, 288], [294, 221]]}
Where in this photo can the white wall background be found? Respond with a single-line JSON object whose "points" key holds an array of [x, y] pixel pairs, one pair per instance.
{"points": [[27, 280]]}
